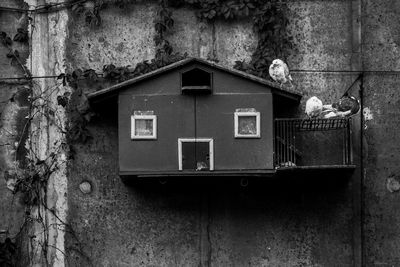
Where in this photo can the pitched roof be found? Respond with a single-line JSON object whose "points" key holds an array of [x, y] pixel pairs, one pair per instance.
{"points": [[276, 88]]}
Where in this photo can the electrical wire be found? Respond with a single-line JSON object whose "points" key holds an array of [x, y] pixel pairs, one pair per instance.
{"points": [[389, 72], [43, 8], [292, 71]]}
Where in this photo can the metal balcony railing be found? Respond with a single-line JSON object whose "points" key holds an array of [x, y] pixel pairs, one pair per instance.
{"points": [[312, 142]]}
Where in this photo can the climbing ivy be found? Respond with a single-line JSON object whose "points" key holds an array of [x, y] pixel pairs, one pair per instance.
{"points": [[13, 54], [7, 253], [269, 23], [30, 174]]}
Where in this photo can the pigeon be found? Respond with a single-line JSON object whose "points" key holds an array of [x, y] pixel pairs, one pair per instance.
{"points": [[346, 106], [313, 107], [279, 72], [347, 103]]}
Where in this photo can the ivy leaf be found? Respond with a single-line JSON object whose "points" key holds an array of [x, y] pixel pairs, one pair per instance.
{"points": [[92, 18], [160, 27], [77, 74], [158, 39], [78, 9], [6, 41], [246, 11], [62, 100], [21, 36], [13, 54], [212, 14], [169, 23], [108, 68], [90, 74], [227, 14], [40, 162], [61, 76]]}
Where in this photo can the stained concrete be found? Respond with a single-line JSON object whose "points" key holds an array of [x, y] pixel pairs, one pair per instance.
{"points": [[125, 38], [381, 52], [267, 224], [212, 224], [13, 109]]}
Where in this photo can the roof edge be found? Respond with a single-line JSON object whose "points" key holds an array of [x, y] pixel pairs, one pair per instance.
{"points": [[277, 89]]}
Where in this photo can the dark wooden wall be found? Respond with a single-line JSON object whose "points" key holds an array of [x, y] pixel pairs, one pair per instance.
{"points": [[195, 116]]}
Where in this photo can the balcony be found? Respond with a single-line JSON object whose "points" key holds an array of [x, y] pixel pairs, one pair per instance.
{"points": [[313, 144]]}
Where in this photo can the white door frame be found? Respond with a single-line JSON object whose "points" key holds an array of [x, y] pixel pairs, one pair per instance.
{"points": [[196, 140]]}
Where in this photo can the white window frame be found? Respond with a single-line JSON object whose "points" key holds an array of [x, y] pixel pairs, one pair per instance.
{"points": [[247, 114], [143, 117], [196, 140]]}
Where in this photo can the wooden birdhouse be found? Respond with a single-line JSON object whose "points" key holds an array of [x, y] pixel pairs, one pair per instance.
{"points": [[196, 117]]}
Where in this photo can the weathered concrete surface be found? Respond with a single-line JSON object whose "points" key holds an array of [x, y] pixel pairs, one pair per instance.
{"points": [[322, 32], [292, 227], [267, 225], [382, 150], [13, 109], [382, 97], [9, 23], [47, 136], [125, 38], [322, 37], [226, 42], [117, 225], [381, 46]]}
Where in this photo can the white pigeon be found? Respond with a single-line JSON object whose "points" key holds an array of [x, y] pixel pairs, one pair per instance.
{"points": [[279, 72], [313, 107]]}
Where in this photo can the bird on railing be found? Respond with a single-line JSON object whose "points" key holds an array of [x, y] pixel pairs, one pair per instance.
{"points": [[346, 106], [279, 72], [315, 108]]}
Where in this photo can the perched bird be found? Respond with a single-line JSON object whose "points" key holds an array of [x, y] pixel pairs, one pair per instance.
{"points": [[287, 164], [346, 106], [279, 72], [347, 103], [314, 107]]}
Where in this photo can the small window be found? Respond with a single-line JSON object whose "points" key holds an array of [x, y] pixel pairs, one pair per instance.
{"points": [[247, 124], [144, 127], [196, 81]]}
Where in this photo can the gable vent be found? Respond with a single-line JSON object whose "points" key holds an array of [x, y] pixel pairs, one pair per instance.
{"points": [[196, 81]]}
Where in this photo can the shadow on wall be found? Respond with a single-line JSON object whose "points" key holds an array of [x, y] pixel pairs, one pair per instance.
{"points": [[285, 188], [186, 220], [282, 191]]}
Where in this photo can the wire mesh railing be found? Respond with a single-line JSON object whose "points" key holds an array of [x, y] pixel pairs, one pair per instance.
{"points": [[306, 142]]}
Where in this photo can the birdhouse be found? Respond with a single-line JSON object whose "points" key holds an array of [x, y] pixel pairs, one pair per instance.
{"points": [[195, 117]]}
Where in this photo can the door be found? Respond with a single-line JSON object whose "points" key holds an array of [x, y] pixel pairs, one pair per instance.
{"points": [[196, 154]]}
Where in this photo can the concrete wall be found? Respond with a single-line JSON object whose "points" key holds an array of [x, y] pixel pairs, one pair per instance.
{"points": [[381, 51], [21, 222], [212, 224], [279, 223], [13, 109]]}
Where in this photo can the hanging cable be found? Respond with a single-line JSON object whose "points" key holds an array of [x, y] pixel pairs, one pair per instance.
{"points": [[295, 71], [43, 8]]}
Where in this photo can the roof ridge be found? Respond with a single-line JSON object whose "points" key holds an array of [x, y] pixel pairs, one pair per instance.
{"points": [[276, 88]]}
